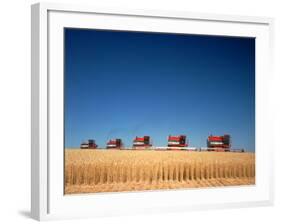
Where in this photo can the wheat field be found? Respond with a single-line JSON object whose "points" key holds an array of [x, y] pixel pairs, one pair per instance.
{"points": [[92, 171]]}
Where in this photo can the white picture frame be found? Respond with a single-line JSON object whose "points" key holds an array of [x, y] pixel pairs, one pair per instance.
{"points": [[48, 201]]}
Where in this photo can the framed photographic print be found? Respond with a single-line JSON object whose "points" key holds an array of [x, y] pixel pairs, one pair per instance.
{"points": [[139, 111]]}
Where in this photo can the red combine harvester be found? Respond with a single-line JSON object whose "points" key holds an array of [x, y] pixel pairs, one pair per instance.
{"points": [[177, 142], [142, 142], [218, 143], [114, 144], [90, 144]]}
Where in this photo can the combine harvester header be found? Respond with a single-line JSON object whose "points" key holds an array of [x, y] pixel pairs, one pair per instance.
{"points": [[175, 142], [90, 144], [114, 144], [142, 142]]}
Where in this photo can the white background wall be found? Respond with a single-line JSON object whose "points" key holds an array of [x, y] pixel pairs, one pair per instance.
{"points": [[15, 110]]}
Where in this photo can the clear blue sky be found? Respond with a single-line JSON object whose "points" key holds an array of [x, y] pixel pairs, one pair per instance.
{"points": [[127, 84]]}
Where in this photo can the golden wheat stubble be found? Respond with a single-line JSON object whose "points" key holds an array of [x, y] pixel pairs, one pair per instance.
{"points": [[89, 171]]}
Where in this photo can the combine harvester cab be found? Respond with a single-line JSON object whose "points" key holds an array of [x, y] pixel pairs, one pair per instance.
{"points": [[218, 143], [114, 144], [177, 142], [90, 144], [142, 142]]}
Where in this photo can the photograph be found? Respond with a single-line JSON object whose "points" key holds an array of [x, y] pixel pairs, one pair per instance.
{"points": [[147, 111]]}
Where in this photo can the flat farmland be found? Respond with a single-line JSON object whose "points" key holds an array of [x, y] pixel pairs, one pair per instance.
{"points": [[93, 171]]}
